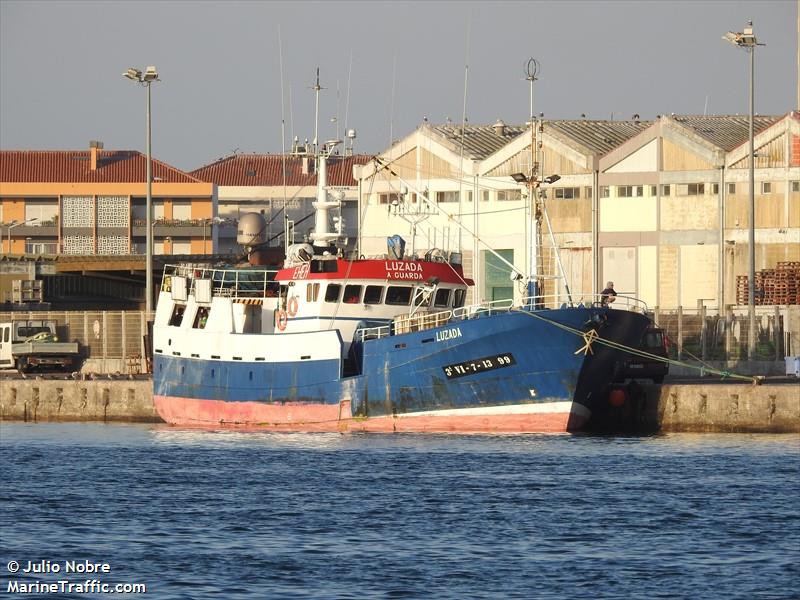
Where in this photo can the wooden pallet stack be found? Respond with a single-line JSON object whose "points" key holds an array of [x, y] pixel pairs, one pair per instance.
{"points": [[780, 285], [787, 284]]}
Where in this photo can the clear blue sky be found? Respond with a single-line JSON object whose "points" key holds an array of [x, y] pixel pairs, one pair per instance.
{"points": [[61, 67]]}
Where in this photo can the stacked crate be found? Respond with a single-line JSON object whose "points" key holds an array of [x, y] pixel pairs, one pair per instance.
{"points": [[741, 289], [786, 286], [780, 285]]}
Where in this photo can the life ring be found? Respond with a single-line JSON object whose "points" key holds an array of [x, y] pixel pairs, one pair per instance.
{"points": [[292, 306], [281, 319]]}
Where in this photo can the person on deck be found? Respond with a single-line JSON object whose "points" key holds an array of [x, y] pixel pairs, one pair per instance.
{"points": [[608, 295]]}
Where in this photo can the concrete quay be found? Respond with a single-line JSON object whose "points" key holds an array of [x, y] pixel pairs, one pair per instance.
{"points": [[672, 407]]}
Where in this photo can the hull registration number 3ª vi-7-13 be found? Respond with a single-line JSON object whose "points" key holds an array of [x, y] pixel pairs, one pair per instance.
{"points": [[479, 365]]}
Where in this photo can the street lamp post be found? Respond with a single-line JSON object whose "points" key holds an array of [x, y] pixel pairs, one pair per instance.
{"points": [[148, 77], [747, 41], [15, 224]]}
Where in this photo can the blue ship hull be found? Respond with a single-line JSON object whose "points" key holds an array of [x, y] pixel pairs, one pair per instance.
{"points": [[479, 374]]}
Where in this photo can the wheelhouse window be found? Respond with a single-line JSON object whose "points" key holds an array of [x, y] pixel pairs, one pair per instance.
{"points": [[398, 296], [442, 298], [176, 318], [332, 292], [352, 294], [604, 191], [458, 298], [373, 294], [731, 188], [665, 189]]}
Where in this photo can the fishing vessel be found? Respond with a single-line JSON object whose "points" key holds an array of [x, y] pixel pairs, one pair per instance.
{"points": [[336, 342]]}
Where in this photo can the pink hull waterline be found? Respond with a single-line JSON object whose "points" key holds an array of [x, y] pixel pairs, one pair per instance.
{"points": [[190, 412]]}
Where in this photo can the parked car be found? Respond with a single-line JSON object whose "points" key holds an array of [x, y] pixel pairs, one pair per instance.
{"points": [[654, 341]]}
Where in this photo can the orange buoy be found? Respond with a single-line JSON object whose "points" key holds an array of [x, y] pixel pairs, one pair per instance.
{"points": [[281, 319]]}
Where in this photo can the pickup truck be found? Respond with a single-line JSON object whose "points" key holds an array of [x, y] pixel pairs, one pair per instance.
{"points": [[654, 342], [29, 345]]}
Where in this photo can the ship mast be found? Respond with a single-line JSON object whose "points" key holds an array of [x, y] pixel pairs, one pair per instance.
{"points": [[322, 236]]}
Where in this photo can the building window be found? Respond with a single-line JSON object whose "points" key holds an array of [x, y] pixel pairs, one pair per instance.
{"points": [[654, 190], [630, 191], [766, 187], [690, 189], [796, 186], [604, 191], [715, 188], [665, 189], [388, 198], [509, 195], [587, 192], [731, 188], [568, 193], [484, 195], [446, 196]]}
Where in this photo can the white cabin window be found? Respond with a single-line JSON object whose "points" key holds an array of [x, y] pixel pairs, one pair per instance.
{"points": [[373, 294], [766, 187], [388, 198], [731, 188], [442, 298], [200, 318], [604, 191], [665, 191], [796, 186], [397, 295], [312, 292], [177, 315]]}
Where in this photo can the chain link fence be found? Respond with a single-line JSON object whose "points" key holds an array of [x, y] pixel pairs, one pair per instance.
{"points": [[705, 334], [110, 341]]}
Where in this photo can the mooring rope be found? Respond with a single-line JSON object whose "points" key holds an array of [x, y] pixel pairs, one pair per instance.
{"points": [[589, 340]]}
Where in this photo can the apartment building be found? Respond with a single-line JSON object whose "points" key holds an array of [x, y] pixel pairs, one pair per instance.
{"points": [[93, 202]]}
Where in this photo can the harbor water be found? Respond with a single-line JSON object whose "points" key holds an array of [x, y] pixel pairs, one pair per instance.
{"points": [[202, 514]]}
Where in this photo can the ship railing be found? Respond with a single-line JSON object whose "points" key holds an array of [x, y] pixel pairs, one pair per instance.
{"points": [[621, 302], [482, 309], [229, 283], [373, 333]]}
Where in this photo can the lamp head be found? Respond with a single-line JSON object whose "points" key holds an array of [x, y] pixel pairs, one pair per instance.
{"points": [[551, 179], [133, 74], [150, 74], [519, 177]]}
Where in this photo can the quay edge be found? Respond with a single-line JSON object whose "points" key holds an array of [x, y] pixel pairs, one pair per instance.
{"points": [[672, 407]]}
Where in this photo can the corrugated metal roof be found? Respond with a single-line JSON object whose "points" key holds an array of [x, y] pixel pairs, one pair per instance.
{"points": [[725, 131], [480, 141], [267, 170], [599, 137], [72, 166]]}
